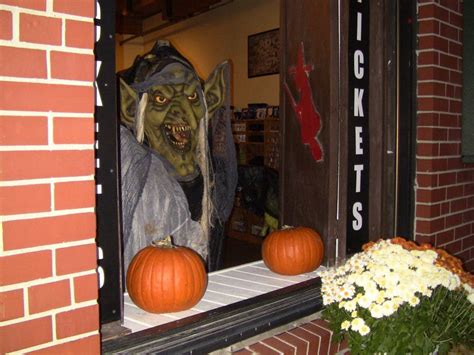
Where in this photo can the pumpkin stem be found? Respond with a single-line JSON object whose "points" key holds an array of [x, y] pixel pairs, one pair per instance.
{"points": [[166, 242], [286, 227]]}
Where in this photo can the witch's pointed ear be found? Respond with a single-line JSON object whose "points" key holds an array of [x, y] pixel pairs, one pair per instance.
{"points": [[216, 87], [128, 104]]}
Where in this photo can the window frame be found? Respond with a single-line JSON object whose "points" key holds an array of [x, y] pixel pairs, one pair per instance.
{"points": [[224, 326], [206, 331]]}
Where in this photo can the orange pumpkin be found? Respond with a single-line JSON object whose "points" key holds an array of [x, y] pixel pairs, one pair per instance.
{"points": [[165, 278], [293, 251]]}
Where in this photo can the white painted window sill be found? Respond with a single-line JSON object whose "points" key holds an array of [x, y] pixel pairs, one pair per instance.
{"points": [[224, 287]]}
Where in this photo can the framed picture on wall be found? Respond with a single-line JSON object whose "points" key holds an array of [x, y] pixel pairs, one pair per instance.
{"points": [[264, 53]]}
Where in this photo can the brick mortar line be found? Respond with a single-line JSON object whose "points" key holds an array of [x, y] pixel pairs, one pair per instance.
{"points": [[45, 114], [46, 47], [444, 171], [443, 230], [274, 333], [65, 82], [306, 341], [430, 158], [440, 22], [49, 5], [45, 181], [440, 112], [36, 215], [49, 147], [61, 341], [458, 240], [422, 157], [44, 281], [50, 128], [425, 219], [437, 5], [63, 30], [421, 35], [439, 67], [443, 201], [442, 127], [46, 13], [52, 313], [1, 238], [15, 26], [438, 97], [439, 82], [269, 346], [455, 114], [445, 215], [443, 187], [438, 51], [424, 141]]}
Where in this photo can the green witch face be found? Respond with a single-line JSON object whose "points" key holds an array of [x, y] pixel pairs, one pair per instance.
{"points": [[171, 104]]}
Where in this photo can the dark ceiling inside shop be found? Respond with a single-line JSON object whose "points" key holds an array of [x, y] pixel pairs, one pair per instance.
{"points": [[131, 13]]}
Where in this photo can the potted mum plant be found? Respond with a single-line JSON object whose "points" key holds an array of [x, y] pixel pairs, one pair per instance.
{"points": [[397, 297]]}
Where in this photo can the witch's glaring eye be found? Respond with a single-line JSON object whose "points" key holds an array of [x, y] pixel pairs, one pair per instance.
{"points": [[193, 97], [161, 99]]}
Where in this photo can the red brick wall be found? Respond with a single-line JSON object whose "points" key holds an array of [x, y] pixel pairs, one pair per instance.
{"points": [[444, 185], [313, 337], [48, 280]]}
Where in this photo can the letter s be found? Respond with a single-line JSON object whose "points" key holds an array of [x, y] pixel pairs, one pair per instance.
{"points": [[357, 222]]}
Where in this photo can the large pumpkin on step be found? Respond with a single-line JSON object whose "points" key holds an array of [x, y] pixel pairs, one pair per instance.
{"points": [[165, 278], [293, 250]]}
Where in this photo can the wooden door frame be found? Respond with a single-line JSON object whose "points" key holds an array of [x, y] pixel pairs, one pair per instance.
{"points": [[330, 217]]}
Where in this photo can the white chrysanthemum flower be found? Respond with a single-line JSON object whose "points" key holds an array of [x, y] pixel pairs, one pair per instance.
{"points": [[345, 325], [470, 298], [380, 280], [350, 306], [380, 297], [364, 330], [397, 301], [392, 281], [357, 323], [388, 308], [354, 314], [429, 256], [413, 301], [424, 290], [404, 293], [327, 300], [468, 288], [347, 291], [416, 253], [376, 311], [364, 301]]}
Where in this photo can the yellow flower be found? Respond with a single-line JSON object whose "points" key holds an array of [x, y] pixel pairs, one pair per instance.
{"points": [[345, 325], [350, 305], [376, 310], [388, 308], [413, 301], [357, 323], [471, 298], [364, 330]]}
